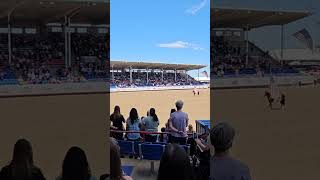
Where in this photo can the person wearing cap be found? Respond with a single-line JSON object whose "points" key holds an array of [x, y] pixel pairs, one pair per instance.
{"points": [[222, 165], [178, 123]]}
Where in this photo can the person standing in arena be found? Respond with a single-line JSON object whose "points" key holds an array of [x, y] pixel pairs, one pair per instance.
{"points": [[151, 124], [117, 119], [222, 165], [283, 101], [178, 123], [269, 98]]}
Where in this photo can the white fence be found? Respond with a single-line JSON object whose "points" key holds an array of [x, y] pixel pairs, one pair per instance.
{"points": [[50, 89], [155, 88], [260, 81]]}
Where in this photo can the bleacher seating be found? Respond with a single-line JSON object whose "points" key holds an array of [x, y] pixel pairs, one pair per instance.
{"points": [[126, 147], [151, 152]]}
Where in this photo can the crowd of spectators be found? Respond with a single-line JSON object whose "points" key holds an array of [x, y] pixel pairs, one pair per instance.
{"points": [[154, 79], [175, 163], [39, 58], [231, 59]]}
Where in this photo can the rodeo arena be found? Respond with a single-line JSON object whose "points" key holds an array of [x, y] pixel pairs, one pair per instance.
{"points": [[270, 96], [53, 56], [149, 95]]}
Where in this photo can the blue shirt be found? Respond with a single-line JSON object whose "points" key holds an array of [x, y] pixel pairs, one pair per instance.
{"points": [[179, 121], [228, 168], [133, 127], [151, 125]]}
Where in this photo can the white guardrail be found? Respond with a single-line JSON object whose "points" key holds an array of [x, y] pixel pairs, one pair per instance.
{"points": [[160, 88], [50, 89], [260, 81]]}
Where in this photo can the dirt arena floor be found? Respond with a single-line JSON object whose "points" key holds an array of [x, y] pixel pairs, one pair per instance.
{"points": [[53, 124], [197, 107], [277, 144]]}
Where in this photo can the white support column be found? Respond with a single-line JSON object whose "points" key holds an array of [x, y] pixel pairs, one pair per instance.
{"points": [[282, 43], [187, 76], [162, 75], [112, 74], [69, 43], [66, 29], [247, 45], [175, 75], [9, 39], [147, 76], [130, 71]]}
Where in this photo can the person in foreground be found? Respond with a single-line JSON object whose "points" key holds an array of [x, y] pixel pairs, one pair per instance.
{"points": [[222, 165], [75, 166], [21, 166], [116, 172], [175, 164], [178, 123]]}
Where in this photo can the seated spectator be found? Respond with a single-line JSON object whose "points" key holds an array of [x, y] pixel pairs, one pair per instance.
{"points": [[203, 154], [190, 131], [167, 124], [151, 124], [223, 166], [117, 119], [75, 166], [133, 124], [175, 164], [163, 137], [177, 123], [116, 172], [21, 166]]}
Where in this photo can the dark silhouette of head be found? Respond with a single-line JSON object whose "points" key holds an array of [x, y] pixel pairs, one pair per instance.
{"points": [[172, 111], [153, 114], [133, 115], [75, 165], [221, 137], [175, 164], [22, 160], [115, 161]]}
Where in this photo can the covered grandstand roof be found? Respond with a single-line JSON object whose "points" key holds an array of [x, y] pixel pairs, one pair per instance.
{"points": [[296, 55], [150, 65], [27, 12], [240, 18]]}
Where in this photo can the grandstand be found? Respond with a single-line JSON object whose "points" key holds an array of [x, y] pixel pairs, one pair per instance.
{"points": [[234, 54], [126, 74], [56, 42]]}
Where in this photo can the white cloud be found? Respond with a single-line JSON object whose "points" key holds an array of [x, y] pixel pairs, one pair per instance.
{"points": [[180, 45], [194, 9]]}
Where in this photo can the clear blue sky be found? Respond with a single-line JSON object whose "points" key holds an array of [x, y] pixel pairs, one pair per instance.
{"points": [[169, 31], [269, 37]]}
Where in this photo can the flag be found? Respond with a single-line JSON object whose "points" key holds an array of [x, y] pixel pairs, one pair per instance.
{"points": [[305, 37], [204, 73]]}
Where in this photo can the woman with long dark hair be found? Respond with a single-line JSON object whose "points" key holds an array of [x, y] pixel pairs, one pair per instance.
{"points": [[21, 166], [151, 124], [133, 124], [116, 172], [117, 120], [175, 164], [75, 166]]}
